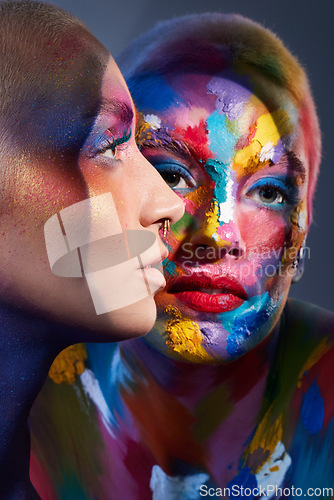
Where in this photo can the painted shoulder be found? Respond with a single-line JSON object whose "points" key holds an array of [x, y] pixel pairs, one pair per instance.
{"points": [[310, 349]]}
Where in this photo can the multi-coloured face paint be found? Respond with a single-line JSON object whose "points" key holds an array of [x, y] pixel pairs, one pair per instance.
{"points": [[233, 163]]}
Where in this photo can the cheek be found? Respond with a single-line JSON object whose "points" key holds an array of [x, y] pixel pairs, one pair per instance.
{"points": [[263, 232], [263, 228], [39, 192]]}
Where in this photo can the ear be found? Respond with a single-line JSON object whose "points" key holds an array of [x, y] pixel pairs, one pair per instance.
{"points": [[299, 263]]}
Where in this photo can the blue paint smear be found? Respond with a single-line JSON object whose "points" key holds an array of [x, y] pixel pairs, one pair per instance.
{"points": [[246, 320], [169, 267], [104, 361], [219, 173], [221, 140], [246, 479], [313, 409], [313, 459], [152, 92]]}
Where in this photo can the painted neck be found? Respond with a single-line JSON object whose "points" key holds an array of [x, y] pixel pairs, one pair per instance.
{"points": [[192, 382], [27, 349], [182, 411]]}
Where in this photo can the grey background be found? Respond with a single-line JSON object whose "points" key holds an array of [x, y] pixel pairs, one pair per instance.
{"points": [[307, 30]]}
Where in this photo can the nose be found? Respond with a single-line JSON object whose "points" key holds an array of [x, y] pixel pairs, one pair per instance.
{"points": [[160, 201], [210, 243]]}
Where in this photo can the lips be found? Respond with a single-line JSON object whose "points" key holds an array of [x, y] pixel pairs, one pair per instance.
{"points": [[209, 293]]}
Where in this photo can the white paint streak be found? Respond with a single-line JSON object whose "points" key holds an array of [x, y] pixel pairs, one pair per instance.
{"points": [[226, 208], [267, 152], [176, 487], [265, 477], [302, 220], [153, 120], [92, 389]]}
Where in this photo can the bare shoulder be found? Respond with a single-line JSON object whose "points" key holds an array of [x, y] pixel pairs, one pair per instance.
{"points": [[312, 321]]}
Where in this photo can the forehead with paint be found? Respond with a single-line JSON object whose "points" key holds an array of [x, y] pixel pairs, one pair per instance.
{"points": [[227, 133], [213, 43], [218, 121]]}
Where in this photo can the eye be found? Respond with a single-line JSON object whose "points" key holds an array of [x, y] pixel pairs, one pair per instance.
{"points": [[176, 176], [271, 192], [270, 195], [109, 146], [109, 152]]}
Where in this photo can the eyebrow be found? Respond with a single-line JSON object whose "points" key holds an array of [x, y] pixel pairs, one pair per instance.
{"points": [[152, 138], [161, 138], [292, 161], [121, 109]]}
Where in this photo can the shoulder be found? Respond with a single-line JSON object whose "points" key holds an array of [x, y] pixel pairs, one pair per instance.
{"points": [[309, 336], [310, 317], [309, 348], [310, 331]]}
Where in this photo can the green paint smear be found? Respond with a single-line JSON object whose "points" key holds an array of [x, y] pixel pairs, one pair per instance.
{"points": [[186, 221], [66, 439], [72, 489]]}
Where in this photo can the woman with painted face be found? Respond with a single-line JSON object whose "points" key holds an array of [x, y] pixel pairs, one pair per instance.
{"points": [[228, 394], [76, 195]]}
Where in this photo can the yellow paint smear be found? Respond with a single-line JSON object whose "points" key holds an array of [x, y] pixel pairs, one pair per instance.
{"points": [[266, 437], [185, 337], [270, 127], [211, 222], [274, 469], [68, 364], [200, 195]]}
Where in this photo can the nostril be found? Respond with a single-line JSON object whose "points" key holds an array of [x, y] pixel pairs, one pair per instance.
{"points": [[235, 252]]}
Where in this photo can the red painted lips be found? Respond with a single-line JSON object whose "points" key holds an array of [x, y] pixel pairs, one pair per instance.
{"points": [[209, 293]]}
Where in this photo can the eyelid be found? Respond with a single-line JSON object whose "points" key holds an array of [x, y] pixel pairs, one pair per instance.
{"points": [[268, 181], [286, 189], [108, 141], [174, 166]]}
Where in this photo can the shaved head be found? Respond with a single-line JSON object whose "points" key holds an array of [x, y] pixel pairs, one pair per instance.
{"points": [[44, 50]]}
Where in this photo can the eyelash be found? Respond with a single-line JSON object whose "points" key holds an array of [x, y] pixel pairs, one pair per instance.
{"points": [[110, 143], [174, 168], [287, 192]]}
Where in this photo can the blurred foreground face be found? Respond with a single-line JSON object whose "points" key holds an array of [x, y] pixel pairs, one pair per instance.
{"points": [[77, 145], [231, 160]]}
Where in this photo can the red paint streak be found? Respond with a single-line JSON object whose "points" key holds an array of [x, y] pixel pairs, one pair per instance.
{"points": [[40, 480], [196, 138], [165, 425]]}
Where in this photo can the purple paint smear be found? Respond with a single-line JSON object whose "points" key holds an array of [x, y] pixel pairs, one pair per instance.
{"points": [[231, 96]]}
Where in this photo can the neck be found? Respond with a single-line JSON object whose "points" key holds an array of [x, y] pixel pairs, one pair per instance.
{"points": [[189, 407], [27, 349]]}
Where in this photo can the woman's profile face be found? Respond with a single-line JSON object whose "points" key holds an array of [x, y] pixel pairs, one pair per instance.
{"points": [[61, 166], [231, 261]]}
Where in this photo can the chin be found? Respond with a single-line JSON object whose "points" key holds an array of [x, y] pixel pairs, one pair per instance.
{"points": [[129, 322], [215, 338]]}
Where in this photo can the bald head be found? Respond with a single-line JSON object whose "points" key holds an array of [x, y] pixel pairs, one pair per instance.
{"points": [[49, 61]]}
